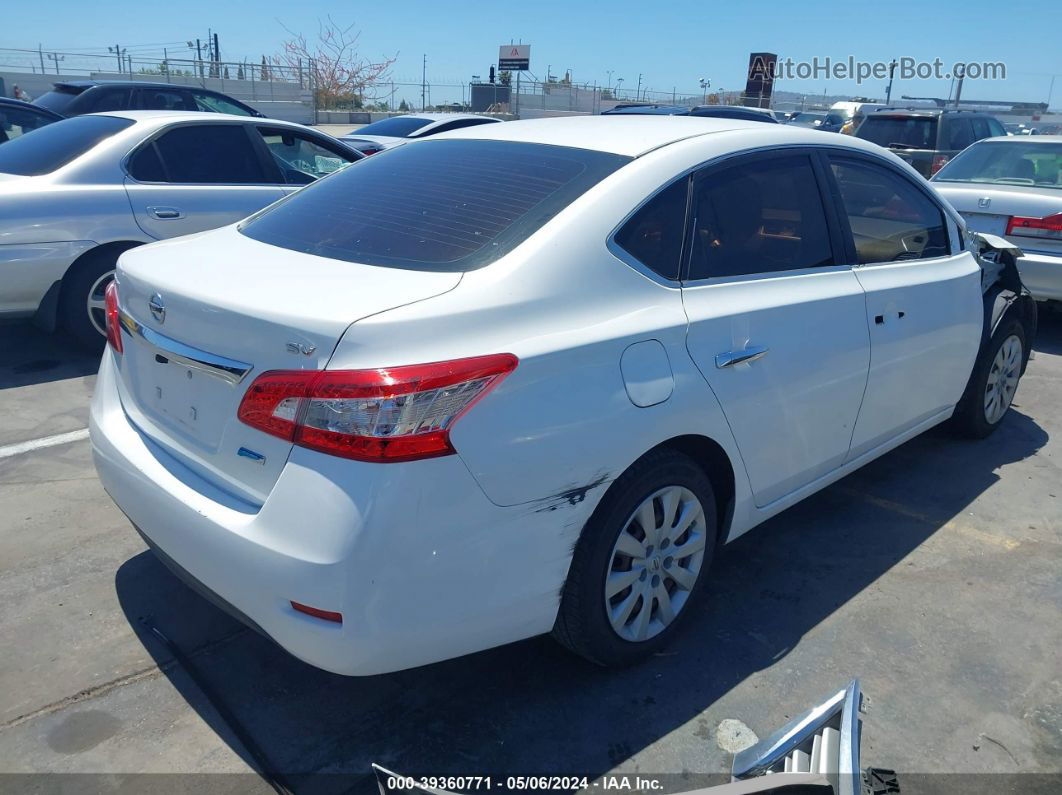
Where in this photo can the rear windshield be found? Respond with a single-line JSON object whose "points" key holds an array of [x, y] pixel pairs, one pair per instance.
{"points": [[906, 132], [397, 126], [1006, 163], [433, 205], [57, 144], [58, 100]]}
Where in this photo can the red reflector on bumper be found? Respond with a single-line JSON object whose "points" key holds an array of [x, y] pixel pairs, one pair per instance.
{"points": [[325, 615]]}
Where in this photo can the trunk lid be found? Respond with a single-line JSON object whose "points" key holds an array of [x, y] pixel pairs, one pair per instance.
{"points": [[1004, 201], [205, 314]]}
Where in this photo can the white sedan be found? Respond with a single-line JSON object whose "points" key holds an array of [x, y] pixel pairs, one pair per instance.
{"points": [[384, 134], [527, 378], [1012, 187]]}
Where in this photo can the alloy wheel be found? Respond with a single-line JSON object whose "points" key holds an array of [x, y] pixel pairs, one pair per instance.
{"points": [[96, 305]]}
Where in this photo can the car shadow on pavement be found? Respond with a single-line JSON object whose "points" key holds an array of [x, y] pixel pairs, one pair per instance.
{"points": [[1049, 330], [533, 708], [29, 355]]}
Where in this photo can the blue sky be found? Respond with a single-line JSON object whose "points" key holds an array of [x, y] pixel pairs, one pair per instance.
{"points": [[672, 44]]}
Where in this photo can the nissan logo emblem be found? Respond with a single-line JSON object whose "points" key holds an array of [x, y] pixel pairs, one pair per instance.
{"points": [[158, 308]]}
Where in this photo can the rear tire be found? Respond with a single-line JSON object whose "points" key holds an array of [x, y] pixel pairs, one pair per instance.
{"points": [[628, 588], [993, 383], [81, 307]]}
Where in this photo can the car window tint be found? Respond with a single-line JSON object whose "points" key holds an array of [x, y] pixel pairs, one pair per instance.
{"points": [[162, 99], [213, 103], [891, 219], [653, 235], [452, 125], [103, 99], [146, 165], [980, 128], [210, 153], [434, 205], [55, 145], [300, 159], [759, 217], [397, 126], [19, 121], [996, 128], [960, 133], [915, 132]]}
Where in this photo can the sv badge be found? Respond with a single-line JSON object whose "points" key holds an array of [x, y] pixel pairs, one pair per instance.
{"points": [[306, 349]]}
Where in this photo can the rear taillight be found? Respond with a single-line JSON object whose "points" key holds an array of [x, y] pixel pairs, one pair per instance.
{"points": [[110, 303], [939, 161], [1049, 226], [388, 414]]}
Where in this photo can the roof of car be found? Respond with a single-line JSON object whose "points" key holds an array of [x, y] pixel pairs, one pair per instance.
{"points": [[163, 116], [444, 116], [140, 83], [631, 135]]}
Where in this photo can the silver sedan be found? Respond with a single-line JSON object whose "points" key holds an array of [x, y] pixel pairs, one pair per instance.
{"points": [[1012, 187], [75, 194]]}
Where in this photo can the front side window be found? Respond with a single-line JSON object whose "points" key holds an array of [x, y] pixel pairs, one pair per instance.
{"points": [[212, 103], [762, 216], [960, 133], [300, 159], [434, 205], [890, 218], [55, 145], [209, 154], [653, 235]]}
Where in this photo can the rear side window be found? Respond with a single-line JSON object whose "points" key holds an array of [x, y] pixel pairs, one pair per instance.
{"points": [[163, 99], [397, 126], [55, 145], [910, 132], [210, 154], [433, 205], [98, 100], [960, 133], [215, 103], [19, 121], [653, 235], [891, 219], [762, 216]]}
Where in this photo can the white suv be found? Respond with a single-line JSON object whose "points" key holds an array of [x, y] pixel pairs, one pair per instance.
{"points": [[527, 377]]}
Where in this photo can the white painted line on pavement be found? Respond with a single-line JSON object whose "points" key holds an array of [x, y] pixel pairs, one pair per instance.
{"points": [[47, 441]]}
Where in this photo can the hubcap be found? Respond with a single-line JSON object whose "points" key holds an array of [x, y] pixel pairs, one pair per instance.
{"points": [[655, 563], [96, 303], [1003, 379]]}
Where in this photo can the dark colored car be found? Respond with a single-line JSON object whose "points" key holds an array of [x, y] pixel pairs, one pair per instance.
{"points": [[18, 118], [826, 122], [713, 111], [927, 138], [75, 97]]}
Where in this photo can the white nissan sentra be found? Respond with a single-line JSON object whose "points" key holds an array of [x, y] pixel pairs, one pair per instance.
{"points": [[527, 377]]}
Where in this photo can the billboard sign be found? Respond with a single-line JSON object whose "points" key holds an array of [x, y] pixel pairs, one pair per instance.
{"points": [[760, 83], [514, 57]]}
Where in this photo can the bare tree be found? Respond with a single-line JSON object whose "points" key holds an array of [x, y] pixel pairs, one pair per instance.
{"points": [[341, 76]]}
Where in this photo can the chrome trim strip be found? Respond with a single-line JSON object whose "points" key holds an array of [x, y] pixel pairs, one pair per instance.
{"points": [[850, 779], [228, 370], [749, 354]]}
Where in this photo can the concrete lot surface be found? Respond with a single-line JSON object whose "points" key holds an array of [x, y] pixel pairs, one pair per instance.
{"points": [[933, 574]]}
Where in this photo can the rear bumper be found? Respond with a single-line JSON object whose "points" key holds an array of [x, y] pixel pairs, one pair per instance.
{"points": [[420, 563], [1042, 275]]}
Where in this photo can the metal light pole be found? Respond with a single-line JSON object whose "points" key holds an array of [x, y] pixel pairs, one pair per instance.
{"points": [[888, 91], [619, 86], [638, 90], [609, 73]]}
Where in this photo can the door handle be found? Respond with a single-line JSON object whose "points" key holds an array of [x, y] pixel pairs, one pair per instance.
{"points": [[165, 213], [749, 354]]}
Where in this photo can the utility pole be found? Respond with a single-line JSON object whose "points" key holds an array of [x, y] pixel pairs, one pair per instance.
{"points": [[217, 55], [40, 52], [199, 58], [423, 83], [118, 54], [609, 73], [57, 58], [638, 91], [888, 91], [958, 86]]}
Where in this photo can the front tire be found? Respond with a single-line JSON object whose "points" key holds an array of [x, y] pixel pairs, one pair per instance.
{"points": [[993, 383], [641, 561]]}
